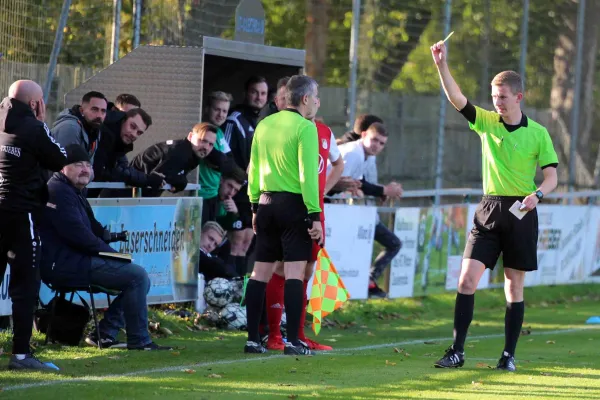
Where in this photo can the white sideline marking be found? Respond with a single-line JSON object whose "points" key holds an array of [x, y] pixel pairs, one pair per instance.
{"points": [[343, 351]]}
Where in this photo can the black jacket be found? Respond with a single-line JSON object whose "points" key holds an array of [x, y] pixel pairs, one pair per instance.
{"points": [[26, 150], [239, 131], [213, 267], [349, 137], [174, 159], [267, 110], [70, 233], [110, 162]]}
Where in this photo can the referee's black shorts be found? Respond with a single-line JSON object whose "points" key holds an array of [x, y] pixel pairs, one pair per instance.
{"points": [[496, 230], [282, 229]]}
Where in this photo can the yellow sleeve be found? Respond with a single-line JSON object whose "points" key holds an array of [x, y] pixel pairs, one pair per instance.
{"points": [[308, 163], [254, 173], [484, 119], [547, 154]]}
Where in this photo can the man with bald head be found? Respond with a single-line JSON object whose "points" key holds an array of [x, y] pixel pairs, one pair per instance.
{"points": [[26, 150]]}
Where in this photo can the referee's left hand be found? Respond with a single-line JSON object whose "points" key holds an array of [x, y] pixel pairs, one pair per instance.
{"points": [[316, 232], [530, 202]]}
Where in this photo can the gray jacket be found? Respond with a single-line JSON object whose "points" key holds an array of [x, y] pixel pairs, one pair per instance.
{"points": [[68, 129]]}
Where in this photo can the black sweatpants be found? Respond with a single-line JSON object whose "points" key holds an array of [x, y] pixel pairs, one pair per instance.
{"points": [[20, 246]]}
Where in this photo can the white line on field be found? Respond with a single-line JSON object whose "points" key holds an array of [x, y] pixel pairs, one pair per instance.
{"points": [[342, 351]]}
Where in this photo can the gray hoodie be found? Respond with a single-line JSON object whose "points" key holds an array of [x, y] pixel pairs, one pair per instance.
{"points": [[68, 129]]}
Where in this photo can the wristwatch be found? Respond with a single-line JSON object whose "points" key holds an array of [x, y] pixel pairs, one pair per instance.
{"points": [[539, 194]]}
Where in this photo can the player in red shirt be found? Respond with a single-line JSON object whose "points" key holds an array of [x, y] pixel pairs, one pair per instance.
{"points": [[328, 150]]}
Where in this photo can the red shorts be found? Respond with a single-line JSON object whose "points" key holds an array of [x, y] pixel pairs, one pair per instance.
{"points": [[316, 247]]}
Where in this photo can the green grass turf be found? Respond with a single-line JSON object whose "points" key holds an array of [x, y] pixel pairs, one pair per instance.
{"points": [[550, 365]]}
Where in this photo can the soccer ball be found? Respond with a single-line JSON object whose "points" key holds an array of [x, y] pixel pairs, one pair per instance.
{"points": [[238, 289], [211, 315], [234, 316], [218, 292]]}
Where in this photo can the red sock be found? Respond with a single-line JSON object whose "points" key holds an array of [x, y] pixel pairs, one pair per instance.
{"points": [[275, 304], [301, 335]]}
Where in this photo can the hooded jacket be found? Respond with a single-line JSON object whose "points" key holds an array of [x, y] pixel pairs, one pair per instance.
{"points": [[111, 164], [70, 128], [26, 150]]}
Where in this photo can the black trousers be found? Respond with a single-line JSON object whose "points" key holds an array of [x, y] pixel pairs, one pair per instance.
{"points": [[21, 248]]}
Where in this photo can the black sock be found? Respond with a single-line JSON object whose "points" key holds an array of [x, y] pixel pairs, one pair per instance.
{"points": [[292, 300], [241, 265], [513, 322], [255, 296], [264, 322], [463, 315]]}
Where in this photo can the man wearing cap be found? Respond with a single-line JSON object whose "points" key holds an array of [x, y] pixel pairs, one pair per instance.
{"points": [[73, 240]]}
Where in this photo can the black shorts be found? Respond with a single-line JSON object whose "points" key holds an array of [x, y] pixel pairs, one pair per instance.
{"points": [[282, 228], [496, 230], [242, 202]]}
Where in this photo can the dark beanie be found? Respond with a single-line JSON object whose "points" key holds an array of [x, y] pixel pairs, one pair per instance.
{"points": [[76, 153]]}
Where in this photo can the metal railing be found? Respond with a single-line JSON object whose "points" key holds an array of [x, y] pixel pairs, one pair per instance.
{"points": [[136, 191]]}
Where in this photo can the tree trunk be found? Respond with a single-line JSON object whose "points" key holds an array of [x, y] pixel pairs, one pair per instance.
{"points": [[563, 86], [317, 24]]}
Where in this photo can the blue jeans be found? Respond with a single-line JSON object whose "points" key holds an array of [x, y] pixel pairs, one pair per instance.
{"points": [[129, 309], [391, 244]]}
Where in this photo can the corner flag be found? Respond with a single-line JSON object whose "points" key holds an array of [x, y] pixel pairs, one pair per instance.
{"points": [[328, 292]]}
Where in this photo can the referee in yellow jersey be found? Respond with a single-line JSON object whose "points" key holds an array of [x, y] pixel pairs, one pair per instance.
{"points": [[512, 146], [283, 188]]}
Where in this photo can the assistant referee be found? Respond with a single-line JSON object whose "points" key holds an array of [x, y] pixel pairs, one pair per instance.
{"points": [[283, 187], [512, 145]]}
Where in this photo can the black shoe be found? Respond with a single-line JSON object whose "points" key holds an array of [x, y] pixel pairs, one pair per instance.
{"points": [[452, 359], [107, 342], [30, 363], [149, 347], [300, 349], [506, 363], [377, 293], [254, 348]]}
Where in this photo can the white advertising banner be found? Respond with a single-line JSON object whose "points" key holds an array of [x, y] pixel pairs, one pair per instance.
{"points": [[592, 248], [402, 273], [349, 235], [5, 303]]}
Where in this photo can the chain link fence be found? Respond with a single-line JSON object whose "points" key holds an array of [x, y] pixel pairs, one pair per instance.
{"points": [[396, 78]]}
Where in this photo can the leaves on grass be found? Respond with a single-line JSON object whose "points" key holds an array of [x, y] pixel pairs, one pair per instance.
{"points": [[153, 325], [293, 371], [470, 346], [476, 383], [571, 352], [387, 362], [217, 376], [189, 371], [165, 331], [545, 373], [176, 353], [370, 333], [113, 357], [530, 340], [526, 332], [544, 304], [397, 350], [330, 340], [550, 341], [364, 326], [482, 365], [91, 364]]}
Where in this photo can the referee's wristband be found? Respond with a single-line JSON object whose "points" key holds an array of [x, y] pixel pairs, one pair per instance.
{"points": [[315, 217], [254, 207]]}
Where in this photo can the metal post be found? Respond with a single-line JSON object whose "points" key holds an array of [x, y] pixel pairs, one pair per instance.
{"points": [[116, 30], [576, 94], [353, 61], [443, 103], [524, 39], [64, 15], [137, 13]]}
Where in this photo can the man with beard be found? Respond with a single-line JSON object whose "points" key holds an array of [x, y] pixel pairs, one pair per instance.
{"points": [[239, 132], [119, 132], [278, 102], [174, 159], [80, 124]]}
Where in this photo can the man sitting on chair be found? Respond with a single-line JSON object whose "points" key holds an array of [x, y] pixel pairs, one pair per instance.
{"points": [[73, 240]]}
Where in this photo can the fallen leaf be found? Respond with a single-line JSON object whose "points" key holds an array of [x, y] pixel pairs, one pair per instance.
{"points": [[293, 396], [470, 346], [189, 371], [478, 383], [406, 354], [544, 304], [364, 326], [114, 358], [153, 325], [166, 331], [338, 335], [550, 342], [530, 340], [481, 365], [330, 340], [215, 376], [293, 371], [571, 352], [370, 334], [545, 373], [175, 353], [396, 350], [526, 332], [389, 363], [220, 338]]}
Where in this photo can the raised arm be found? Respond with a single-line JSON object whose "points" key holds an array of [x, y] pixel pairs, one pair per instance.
{"points": [[455, 96]]}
